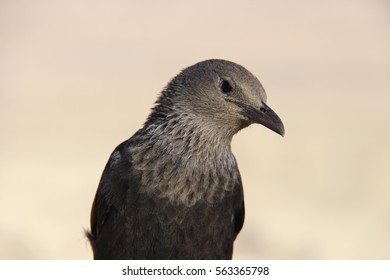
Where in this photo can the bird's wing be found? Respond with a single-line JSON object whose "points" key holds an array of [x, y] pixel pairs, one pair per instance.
{"points": [[111, 194], [239, 208], [239, 216]]}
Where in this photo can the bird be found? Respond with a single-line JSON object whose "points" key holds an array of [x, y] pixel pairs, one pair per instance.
{"points": [[173, 190]]}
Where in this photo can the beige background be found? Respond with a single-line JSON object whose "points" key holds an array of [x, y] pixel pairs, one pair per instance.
{"points": [[79, 77]]}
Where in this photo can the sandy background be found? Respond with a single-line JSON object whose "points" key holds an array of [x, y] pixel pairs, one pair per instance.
{"points": [[79, 77]]}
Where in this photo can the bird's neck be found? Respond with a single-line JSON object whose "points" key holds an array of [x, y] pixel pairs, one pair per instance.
{"points": [[185, 160]]}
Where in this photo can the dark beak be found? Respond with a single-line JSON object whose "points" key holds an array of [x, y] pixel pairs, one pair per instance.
{"points": [[263, 115]]}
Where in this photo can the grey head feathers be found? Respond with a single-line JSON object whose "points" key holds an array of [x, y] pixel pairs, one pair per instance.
{"points": [[184, 151], [216, 92]]}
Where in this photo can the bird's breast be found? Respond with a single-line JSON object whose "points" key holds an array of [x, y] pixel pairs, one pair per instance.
{"points": [[184, 174]]}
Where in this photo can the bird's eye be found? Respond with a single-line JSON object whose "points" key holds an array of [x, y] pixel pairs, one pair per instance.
{"points": [[225, 86]]}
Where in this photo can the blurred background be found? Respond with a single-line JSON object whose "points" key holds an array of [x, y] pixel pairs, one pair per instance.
{"points": [[79, 77]]}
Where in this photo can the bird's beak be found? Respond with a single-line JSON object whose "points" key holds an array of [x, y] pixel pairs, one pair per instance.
{"points": [[267, 117], [263, 115]]}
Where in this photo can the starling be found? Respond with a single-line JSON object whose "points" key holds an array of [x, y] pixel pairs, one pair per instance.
{"points": [[173, 190]]}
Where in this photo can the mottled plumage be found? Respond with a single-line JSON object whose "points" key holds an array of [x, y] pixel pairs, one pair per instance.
{"points": [[173, 190]]}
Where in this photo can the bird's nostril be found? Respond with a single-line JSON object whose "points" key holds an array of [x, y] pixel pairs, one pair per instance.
{"points": [[263, 110]]}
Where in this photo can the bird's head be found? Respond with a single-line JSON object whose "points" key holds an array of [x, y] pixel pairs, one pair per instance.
{"points": [[220, 93]]}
